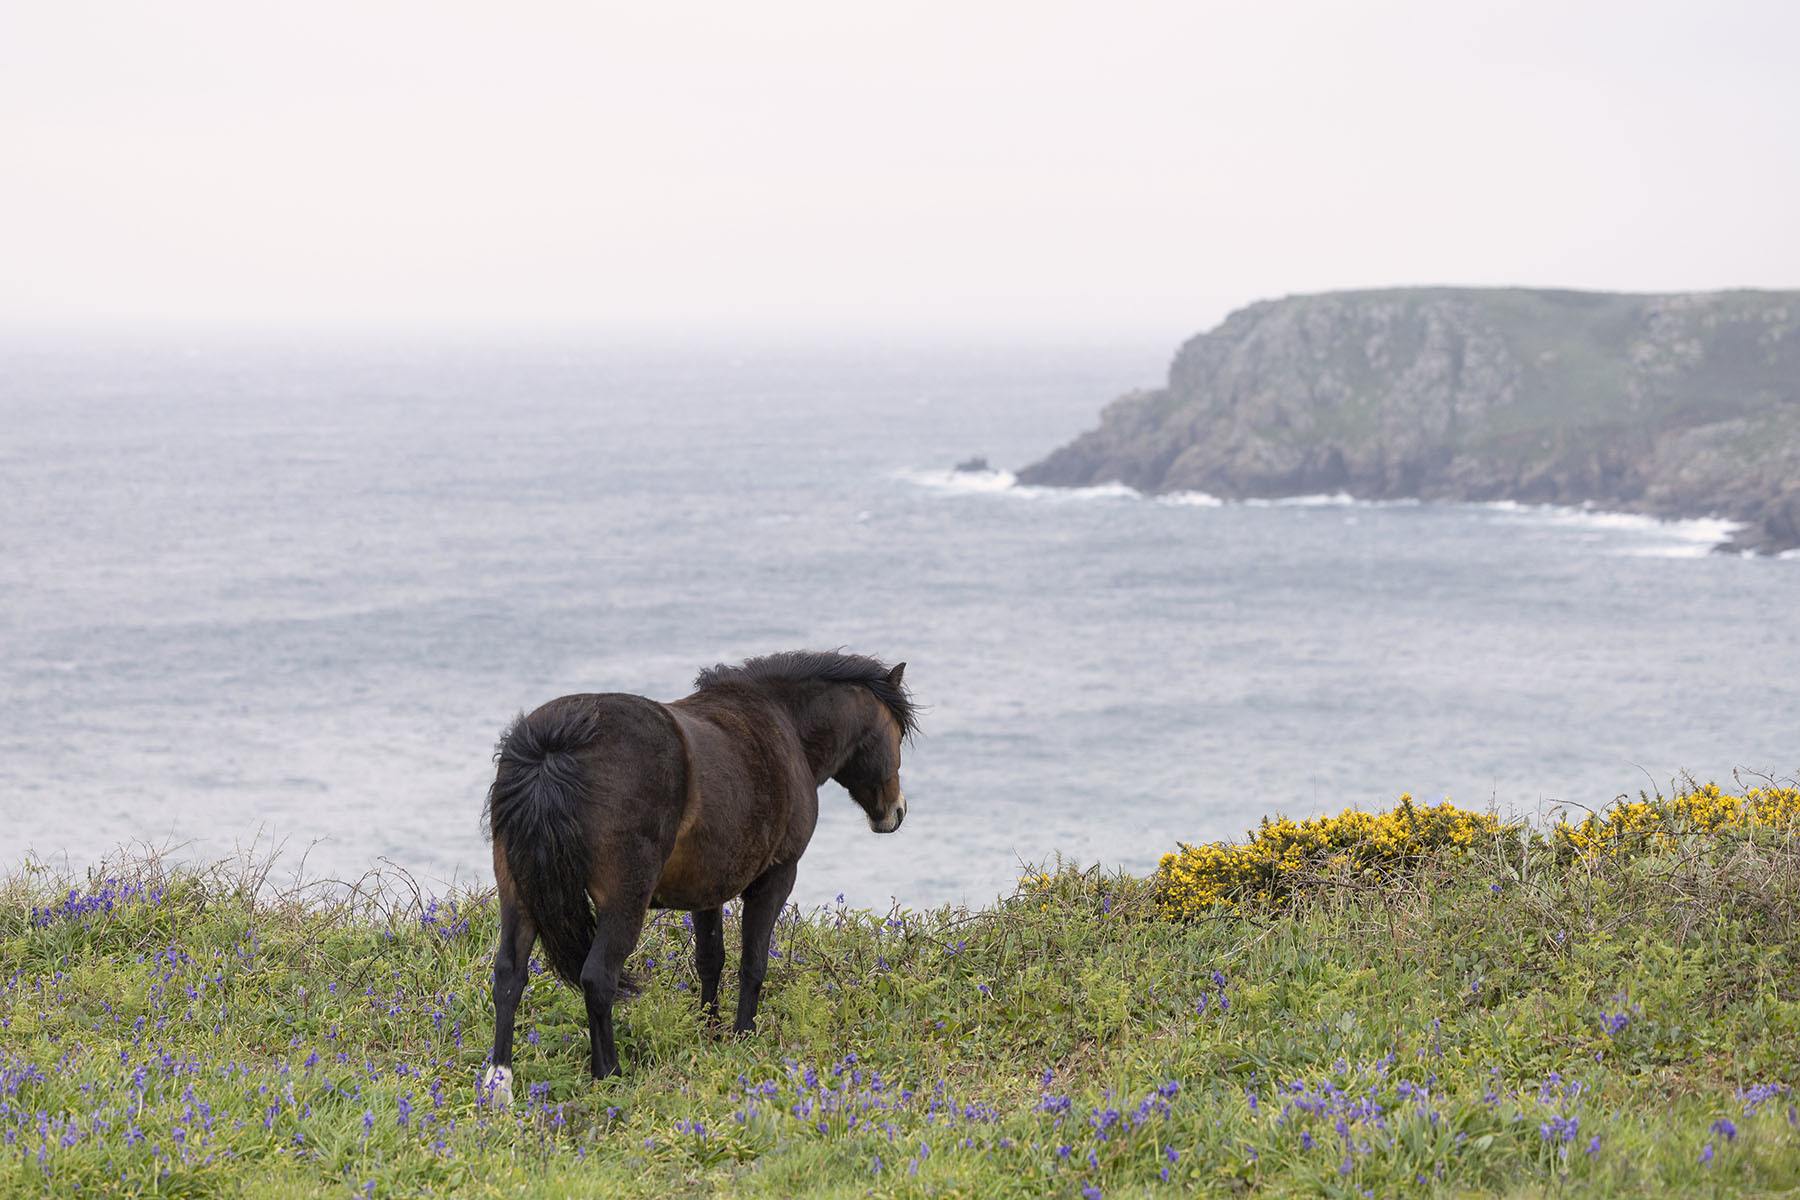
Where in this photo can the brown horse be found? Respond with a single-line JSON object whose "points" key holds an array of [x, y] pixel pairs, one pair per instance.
{"points": [[606, 806]]}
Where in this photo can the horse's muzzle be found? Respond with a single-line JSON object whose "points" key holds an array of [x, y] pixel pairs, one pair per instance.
{"points": [[892, 820]]}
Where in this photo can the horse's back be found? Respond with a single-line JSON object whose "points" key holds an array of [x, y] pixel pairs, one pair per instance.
{"points": [[682, 804], [752, 790], [741, 752]]}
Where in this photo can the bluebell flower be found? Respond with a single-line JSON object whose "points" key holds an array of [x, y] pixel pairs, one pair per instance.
{"points": [[1755, 1096], [1559, 1129]]}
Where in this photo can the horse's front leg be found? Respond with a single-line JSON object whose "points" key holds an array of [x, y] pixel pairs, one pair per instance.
{"points": [[709, 956], [762, 904], [512, 962]]}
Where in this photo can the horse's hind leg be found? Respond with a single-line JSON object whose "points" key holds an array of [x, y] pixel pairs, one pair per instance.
{"points": [[512, 961], [615, 934], [762, 904], [709, 956]]}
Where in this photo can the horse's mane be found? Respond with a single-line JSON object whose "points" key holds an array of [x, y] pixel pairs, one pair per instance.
{"points": [[825, 666]]}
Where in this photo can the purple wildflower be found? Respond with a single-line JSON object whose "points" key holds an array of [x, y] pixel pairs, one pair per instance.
{"points": [[1560, 1129]]}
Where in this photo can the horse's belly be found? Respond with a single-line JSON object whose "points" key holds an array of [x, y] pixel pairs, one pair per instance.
{"points": [[693, 879]]}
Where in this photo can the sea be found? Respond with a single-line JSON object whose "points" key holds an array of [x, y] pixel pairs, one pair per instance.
{"points": [[267, 597]]}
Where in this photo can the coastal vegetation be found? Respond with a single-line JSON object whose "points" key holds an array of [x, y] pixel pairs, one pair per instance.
{"points": [[1282, 854], [1426, 1001]]}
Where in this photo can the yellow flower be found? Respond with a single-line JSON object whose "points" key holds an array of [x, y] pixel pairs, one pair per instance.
{"points": [[1198, 879]]}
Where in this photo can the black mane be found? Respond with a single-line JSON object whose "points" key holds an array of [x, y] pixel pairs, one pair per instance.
{"points": [[827, 666]]}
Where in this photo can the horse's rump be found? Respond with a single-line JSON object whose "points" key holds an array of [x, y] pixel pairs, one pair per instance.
{"points": [[586, 789]]}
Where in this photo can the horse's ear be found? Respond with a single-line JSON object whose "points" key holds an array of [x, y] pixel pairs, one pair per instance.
{"points": [[895, 674]]}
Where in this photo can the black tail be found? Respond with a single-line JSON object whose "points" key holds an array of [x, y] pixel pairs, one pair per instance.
{"points": [[534, 812]]}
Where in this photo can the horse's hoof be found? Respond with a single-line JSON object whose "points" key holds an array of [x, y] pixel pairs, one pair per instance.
{"points": [[496, 1087]]}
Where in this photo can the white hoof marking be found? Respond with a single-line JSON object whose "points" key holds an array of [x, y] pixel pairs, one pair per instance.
{"points": [[496, 1087]]}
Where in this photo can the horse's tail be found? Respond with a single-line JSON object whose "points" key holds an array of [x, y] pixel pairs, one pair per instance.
{"points": [[534, 815]]}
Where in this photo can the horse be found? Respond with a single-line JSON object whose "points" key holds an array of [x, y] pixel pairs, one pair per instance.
{"points": [[605, 806]]}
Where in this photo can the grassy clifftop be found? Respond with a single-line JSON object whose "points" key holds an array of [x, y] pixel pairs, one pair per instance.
{"points": [[1505, 1016]]}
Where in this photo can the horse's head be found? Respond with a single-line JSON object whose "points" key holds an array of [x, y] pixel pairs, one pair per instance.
{"points": [[871, 774]]}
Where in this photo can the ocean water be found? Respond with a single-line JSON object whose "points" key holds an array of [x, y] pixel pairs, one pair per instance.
{"points": [[289, 596]]}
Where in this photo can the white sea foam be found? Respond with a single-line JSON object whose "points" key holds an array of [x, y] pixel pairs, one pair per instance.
{"points": [[963, 481], [1692, 537], [997, 483], [1319, 500], [1102, 491], [1667, 550], [1189, 500], [1644, 536], [1328, 500]]}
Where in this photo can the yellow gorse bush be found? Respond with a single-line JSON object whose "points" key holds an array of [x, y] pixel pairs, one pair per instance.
{"points": [[1654, 824], [1197, 880], [1262, 871]]}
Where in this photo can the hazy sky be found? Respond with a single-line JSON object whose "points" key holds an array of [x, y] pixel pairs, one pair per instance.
{"points": [[1003, 167]]}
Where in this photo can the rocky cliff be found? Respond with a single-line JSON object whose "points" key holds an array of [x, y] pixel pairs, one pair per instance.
{"points": [[1674, 405]]}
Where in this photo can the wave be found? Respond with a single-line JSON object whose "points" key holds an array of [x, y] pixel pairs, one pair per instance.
{"points": [[1005, 483], [1690, 537], [1328, 500], [1189, 500], [1693, 537]]}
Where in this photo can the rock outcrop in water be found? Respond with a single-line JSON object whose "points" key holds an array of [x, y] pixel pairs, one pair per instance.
{"points": [[1672, 405]]}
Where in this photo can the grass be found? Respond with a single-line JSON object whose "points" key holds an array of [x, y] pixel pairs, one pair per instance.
{"points": [[1508, 1020]]}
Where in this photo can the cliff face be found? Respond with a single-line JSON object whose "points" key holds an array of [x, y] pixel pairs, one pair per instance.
{"points": [[1675, 405]]}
